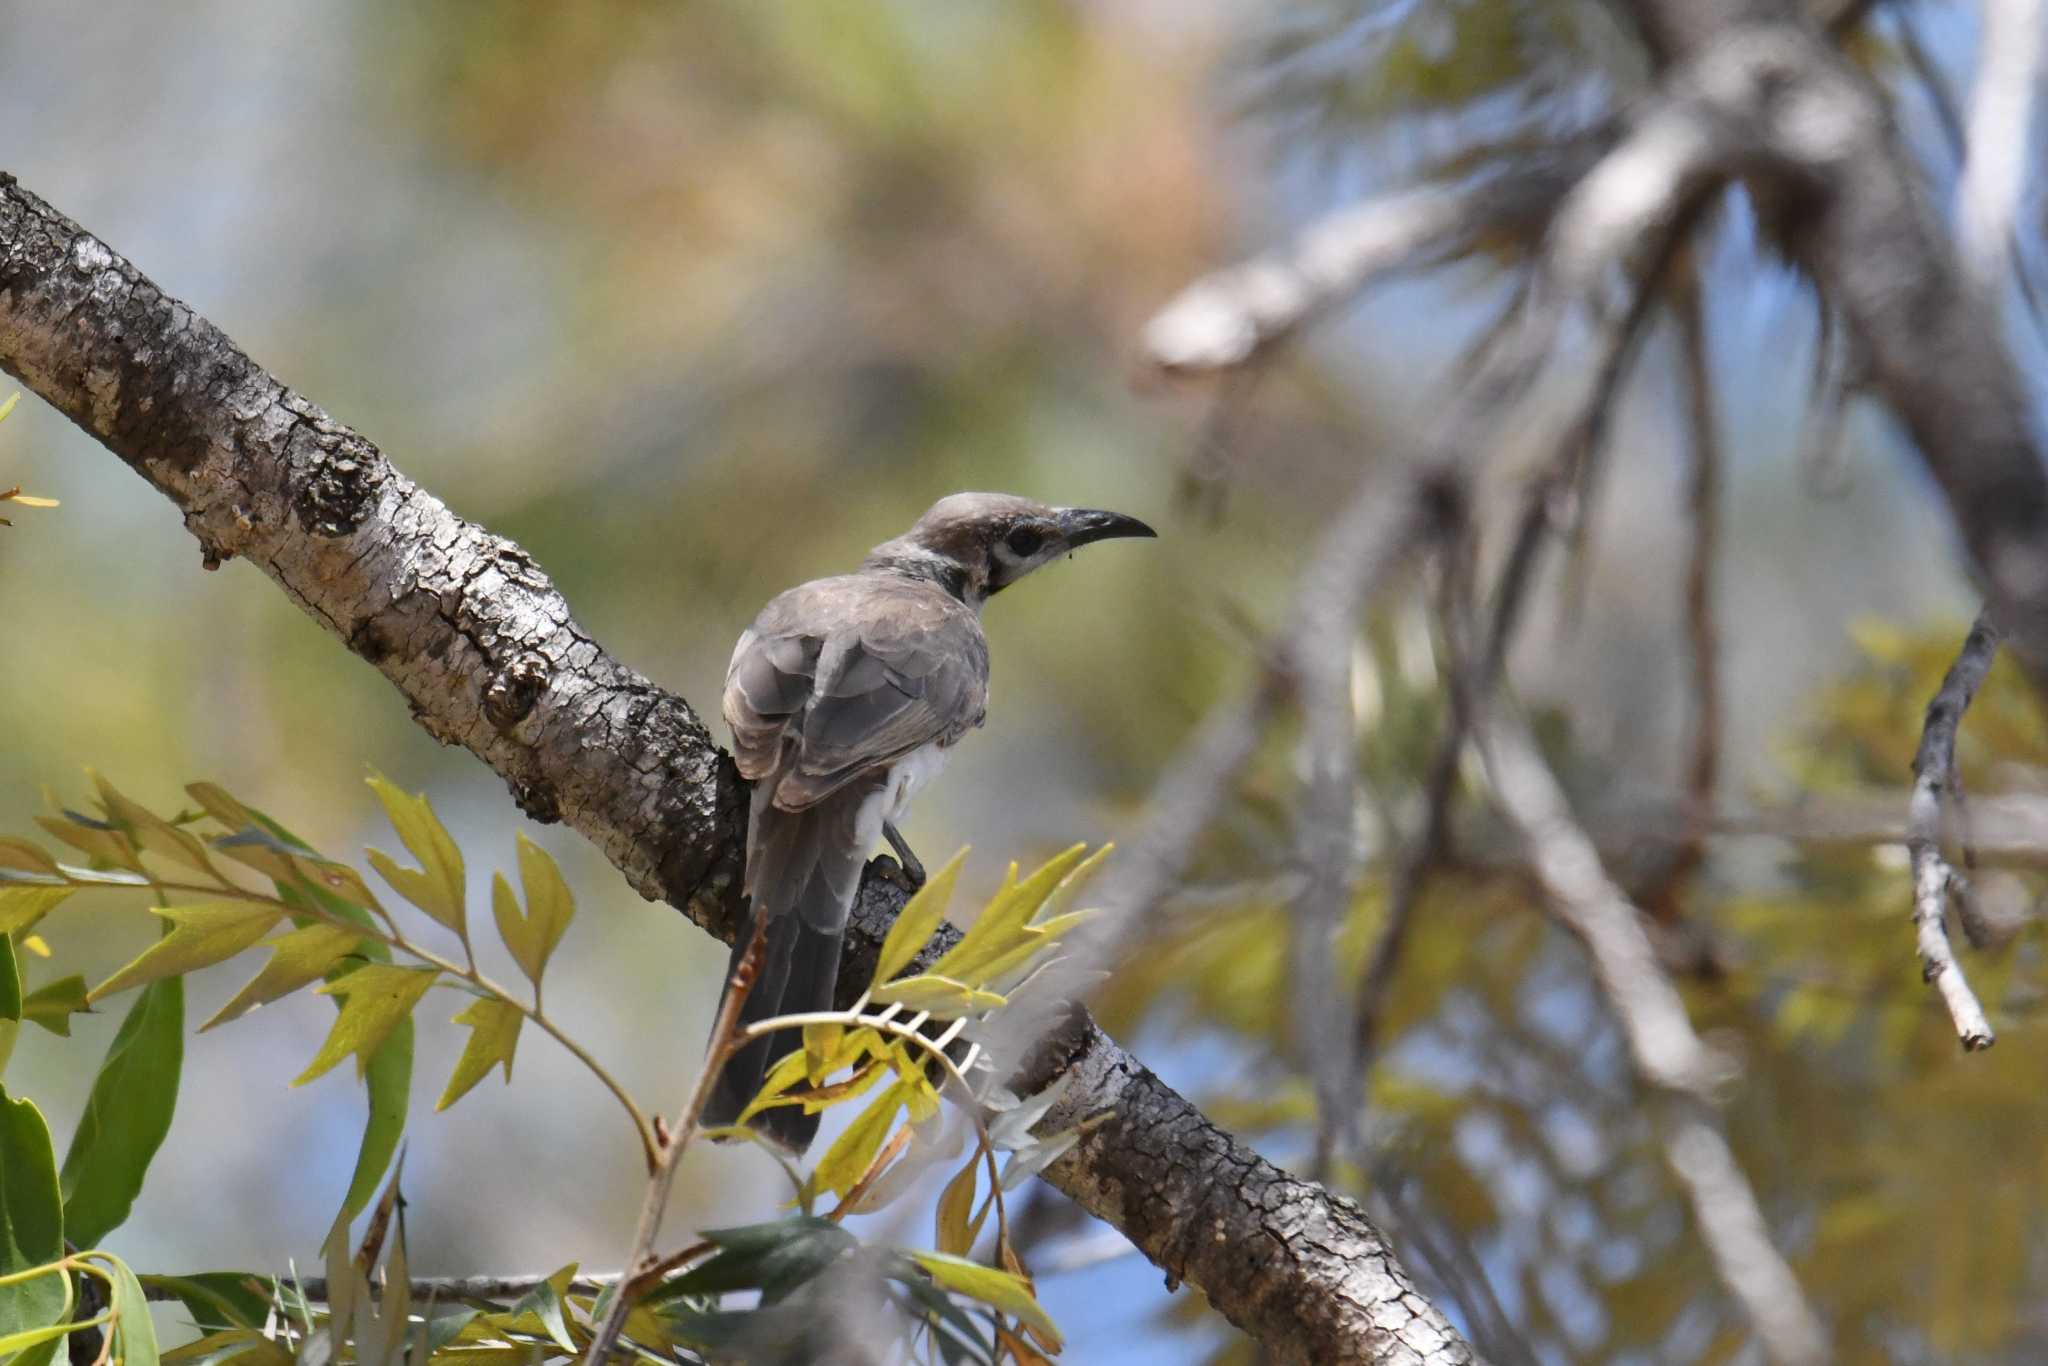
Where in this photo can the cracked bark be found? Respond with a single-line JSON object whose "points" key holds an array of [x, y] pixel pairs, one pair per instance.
{"points": [[473, 633]]}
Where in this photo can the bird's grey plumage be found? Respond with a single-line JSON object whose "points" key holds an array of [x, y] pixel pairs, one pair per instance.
{"points": [[843, 697]]}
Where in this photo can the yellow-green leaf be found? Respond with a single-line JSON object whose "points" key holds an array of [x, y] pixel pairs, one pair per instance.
{"points": [[437, 885], [201, 936], [998, 1289], [953, 1232], [296, 960], [54, 1003], [942, 996], [1002, 926], [549, 908], [494, 1034], [21, 907], [375, 998], [821, 1047], [920, 916], [149, 830], [93, 839], [215, 802], [26, 857], [850, 1155]]}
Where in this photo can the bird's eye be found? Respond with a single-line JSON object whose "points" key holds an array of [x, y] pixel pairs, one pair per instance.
{"points": [[1024, 542]]}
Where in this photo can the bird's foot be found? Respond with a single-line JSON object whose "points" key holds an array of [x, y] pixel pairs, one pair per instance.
{"points": [[910, 871]]}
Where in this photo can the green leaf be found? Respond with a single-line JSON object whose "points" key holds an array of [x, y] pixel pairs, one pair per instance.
{"points": [[297, 959], [134, 1330], [437, 885], [54, 1003], [127, 1116], [201, 935], [494, 1034], [218, 1300], [10, 981], [11, 1343], [376, 998], [389, 1081], [388, 1077], [997, 1289], [942, 996], [774, 1258], [920, 916], [544, 1303], [550, 906], [31, 1221]]}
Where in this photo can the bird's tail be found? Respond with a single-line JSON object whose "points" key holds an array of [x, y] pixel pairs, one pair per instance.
{"points": [[803, 868]]}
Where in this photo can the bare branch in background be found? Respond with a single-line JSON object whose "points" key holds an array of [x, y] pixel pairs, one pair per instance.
{"points": [[2000, 133], [1934, 770], [1667, 1053], [1738, 1239], [1669, 1056], [1470, 682], [1823, 436], [1225, 319], [1702, 635], [1865, 233], [1950, 118]]}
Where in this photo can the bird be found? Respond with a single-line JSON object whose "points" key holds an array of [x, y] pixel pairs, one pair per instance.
{"points": [[844, 698]]}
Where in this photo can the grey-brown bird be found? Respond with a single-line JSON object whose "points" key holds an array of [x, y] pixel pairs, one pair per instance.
{"points": [[843, 698]]}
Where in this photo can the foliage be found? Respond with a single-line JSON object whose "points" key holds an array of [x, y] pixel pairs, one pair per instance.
{"points": [[225, 879], [15, 495], [1504, 1110]]}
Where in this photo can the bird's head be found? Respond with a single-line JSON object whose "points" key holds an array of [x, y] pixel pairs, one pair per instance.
{"points": [[978, 544]]}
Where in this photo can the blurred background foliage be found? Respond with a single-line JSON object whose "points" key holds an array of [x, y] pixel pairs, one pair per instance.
{"points": [[696, 301]]}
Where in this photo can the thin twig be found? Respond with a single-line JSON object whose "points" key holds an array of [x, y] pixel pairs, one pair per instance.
{"points": [[1574, 454], [1933, 879], [642, 1267], [1703, 487]]}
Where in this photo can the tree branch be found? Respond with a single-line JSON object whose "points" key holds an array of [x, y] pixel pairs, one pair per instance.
{"points": [[1934, 771], [1228, 318], [487, 653], [1668, 1055], [1838, 193]]}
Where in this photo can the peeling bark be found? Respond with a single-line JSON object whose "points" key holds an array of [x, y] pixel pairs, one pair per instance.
{"points": [[473, 633]]}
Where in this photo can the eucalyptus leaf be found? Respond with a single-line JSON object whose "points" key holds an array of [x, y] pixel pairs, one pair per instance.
{"points": [[31, 1221], [127, 1115]]}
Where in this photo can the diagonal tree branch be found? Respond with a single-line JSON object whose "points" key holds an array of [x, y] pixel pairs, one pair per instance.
{"points": [[470, 630]]}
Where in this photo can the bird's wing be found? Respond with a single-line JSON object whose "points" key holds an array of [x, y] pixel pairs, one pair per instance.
{"points": [[839, 678]]}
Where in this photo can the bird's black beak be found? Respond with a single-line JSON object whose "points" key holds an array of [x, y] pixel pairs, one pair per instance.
{"points": [[1079, 526]]}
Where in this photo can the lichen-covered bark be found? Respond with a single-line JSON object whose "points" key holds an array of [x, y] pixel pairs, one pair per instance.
{"points": [[475, 636]]}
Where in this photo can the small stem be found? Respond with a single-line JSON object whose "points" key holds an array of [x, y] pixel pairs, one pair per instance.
{"points": [[641, 1269], [395, 940]]}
